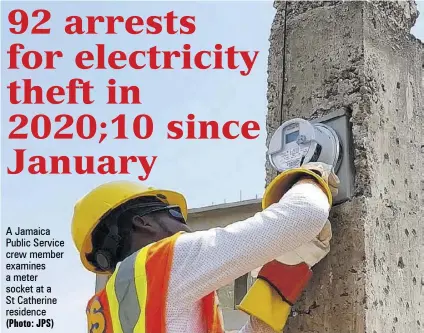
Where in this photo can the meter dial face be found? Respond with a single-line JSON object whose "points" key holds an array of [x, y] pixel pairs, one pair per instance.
{"points": [[295, 146], [298, 141]]}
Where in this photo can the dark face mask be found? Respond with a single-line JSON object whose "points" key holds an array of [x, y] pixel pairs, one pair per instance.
{"points": [[116, 244], [105, 256]]}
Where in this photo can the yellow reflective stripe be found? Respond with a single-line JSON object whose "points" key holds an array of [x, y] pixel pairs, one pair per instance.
{"points": [[140, 280], [113, 303]]}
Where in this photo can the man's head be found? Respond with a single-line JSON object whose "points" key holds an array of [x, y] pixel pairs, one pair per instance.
{"points": [[132, 226]]}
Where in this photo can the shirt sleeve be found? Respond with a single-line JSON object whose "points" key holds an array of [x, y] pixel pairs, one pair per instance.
{"points": [[205, 261]]}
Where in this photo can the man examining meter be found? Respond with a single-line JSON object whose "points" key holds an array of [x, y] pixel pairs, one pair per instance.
{"points": [[164, 277]]}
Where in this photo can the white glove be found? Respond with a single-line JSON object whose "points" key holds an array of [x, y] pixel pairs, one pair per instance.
{"points": [[310, 253], [327, 173]]}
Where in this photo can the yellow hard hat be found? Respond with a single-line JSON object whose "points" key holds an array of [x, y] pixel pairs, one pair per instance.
{"points": [[91, 208]]}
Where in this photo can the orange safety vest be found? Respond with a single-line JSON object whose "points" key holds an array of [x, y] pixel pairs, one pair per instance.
{"points": [[134, 300]]}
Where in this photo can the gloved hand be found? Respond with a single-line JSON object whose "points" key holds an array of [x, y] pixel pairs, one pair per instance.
{"points": [[310, 253], [321, 172], [327, 174], [270, 303], [281, 281]]}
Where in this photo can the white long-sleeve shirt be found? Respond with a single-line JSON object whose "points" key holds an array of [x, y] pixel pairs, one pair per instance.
{"points": [[205, 261]]}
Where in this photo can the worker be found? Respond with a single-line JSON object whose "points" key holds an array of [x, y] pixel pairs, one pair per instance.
{"points": [[163, 278]]}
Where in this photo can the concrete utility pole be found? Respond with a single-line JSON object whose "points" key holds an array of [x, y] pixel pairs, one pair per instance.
{"points": [[360, 57]]}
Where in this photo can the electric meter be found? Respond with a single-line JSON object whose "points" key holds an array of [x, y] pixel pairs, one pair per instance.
{"points": [[299, 141]]}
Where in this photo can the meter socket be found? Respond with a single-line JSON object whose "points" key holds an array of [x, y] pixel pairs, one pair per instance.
{"points": [[327, 139], [298, 141]]}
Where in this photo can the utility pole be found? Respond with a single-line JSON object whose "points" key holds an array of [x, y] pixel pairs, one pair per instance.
{"points": [[359, 56]]}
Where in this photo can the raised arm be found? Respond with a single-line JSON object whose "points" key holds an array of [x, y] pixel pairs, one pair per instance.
{"points": [[207, 260]]}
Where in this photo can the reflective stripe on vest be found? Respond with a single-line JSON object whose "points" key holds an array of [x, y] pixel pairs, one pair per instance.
{"points": [[134, 300], [127, 293]]}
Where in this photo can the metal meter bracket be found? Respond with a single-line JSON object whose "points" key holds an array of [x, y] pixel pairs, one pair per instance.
{"points": [[339, 122], [326, 139]]}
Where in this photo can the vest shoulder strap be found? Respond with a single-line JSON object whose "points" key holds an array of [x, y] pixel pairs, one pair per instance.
{"points": [[138, 289]]}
